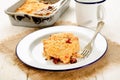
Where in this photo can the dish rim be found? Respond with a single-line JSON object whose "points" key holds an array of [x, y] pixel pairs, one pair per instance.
{"points": [[32, 15]]}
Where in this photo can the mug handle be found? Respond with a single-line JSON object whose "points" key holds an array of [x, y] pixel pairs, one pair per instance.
{"points": [[100, 12]]}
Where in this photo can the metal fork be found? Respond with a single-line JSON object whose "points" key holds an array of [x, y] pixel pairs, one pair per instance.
{"points": [[88, 48]]}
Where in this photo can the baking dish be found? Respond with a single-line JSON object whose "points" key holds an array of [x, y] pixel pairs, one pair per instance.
{"points": [[28, 20]]}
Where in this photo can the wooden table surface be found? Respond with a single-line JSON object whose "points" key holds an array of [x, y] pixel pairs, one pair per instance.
{"points": [[111, 31]]}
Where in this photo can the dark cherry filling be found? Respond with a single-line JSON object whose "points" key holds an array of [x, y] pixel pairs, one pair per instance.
{"points": [[73, 60], [68, 41], [56, 60]]}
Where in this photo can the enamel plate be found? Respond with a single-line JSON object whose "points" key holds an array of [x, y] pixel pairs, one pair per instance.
{"points": [[30, 49]]}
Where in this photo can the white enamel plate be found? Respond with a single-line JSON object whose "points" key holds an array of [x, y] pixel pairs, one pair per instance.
{"points": [[30, 49]]}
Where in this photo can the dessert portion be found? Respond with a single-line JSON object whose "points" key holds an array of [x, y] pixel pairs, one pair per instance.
{"points": [[36, 7], [62, 47]]}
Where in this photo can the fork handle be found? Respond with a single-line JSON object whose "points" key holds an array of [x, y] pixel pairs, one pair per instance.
{"points": [[99, 27]]}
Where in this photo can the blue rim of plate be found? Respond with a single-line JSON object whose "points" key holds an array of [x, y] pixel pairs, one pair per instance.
{"points": [[97, 2], [75, 68]]}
